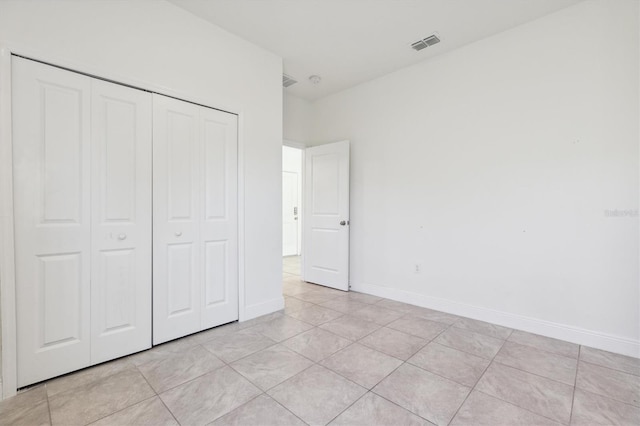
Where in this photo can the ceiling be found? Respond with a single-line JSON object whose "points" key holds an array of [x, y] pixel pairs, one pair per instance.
{"points": [[348, 42]]}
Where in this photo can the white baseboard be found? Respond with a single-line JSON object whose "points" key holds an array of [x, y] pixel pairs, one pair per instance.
{"points": [[568, 333], [263, 308]]}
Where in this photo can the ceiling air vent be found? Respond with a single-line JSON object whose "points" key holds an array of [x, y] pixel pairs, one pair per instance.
{"points": [[287, 80], [424, 43]]}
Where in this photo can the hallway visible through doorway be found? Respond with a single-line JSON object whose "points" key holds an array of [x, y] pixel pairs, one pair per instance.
{"points": [[290, 266], [291, 201]]}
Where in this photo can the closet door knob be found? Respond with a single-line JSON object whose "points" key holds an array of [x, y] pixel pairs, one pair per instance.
{"points": [[122, 236], [178, 233]]}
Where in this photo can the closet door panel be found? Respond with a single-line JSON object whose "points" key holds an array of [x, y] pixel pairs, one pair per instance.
{"points": [[176, 188], [219, 229], [51, 154], [121, 131]]}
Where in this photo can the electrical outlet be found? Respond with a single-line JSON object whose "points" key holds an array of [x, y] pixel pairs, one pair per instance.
{"points": [[417, 268]]}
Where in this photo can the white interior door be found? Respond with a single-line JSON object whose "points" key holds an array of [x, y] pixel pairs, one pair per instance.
{"points": [[51, 157], [290, 212], [176, 204], [218, 237], [326, 218], [121, 124]]}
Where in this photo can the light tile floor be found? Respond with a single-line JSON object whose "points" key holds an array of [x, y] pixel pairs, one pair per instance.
{"points": [[345, 359]]}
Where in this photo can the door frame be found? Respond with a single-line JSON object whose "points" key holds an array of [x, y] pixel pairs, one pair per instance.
{"points": [[302, 147], [8, 337]]}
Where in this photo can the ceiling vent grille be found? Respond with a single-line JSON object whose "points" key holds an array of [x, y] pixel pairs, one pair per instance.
{"points": [[424, 43], [287, 80]]}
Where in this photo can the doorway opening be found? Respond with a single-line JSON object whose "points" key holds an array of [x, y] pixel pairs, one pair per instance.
{"points": [[315, 214], [292, 187]]}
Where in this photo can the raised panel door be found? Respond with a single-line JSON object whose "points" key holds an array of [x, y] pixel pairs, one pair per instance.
{"points": [[121, 131], [51, 155]]}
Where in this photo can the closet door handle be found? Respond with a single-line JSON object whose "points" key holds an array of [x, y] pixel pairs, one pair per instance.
{"points": [[178, 233], [122, 237]]}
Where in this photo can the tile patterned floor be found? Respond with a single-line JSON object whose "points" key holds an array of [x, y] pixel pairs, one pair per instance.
{"points": [[345, 359]]}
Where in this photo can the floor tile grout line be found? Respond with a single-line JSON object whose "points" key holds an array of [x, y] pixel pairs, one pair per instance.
{"points": [[366, 389], [287, 338], [382, 396], [511, 330], [147, 381], [534, 374], [334, 372], [252, 353], [198, 377], [537, 375], [328, 356], [542, 350], [435, 373], [411, 315], [575, 383], [321, 290], [539, 348], [315, 325], [607, 395], [75, 388], [344, 377], [347, 408], [403, 362], [522, 408], [510, 402], [187, 381], [467, 352], [277, 384], [155, 395], [473, 388], [351, 380], [400, 406], [292, 413], [168, 409], [380, 350], [46, 394], [292, 350], [634, 407], [73, 373], [288, 379], [493, 396], [442, 376], [360, 338], [237, 408], [170, 355], [429, 340], [609, 368]]}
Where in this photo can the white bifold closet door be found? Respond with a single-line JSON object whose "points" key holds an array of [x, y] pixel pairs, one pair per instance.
{"points": [[121, 132], [195, 255], [82, 176]]}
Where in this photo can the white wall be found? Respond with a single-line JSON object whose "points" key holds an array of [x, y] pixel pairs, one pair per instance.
{"points": [[296, 118], [157, 43], [492, 167]]}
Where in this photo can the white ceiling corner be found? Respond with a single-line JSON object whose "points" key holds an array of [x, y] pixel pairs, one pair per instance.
{"points": [[348, 42]]}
